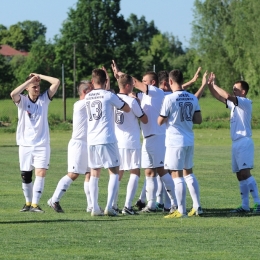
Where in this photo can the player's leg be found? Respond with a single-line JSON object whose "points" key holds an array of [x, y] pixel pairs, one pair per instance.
{"points": [[246, 159], [176, 164], [25, 160], [87, 192], [110, 159], [159, 194], [41, 160], [131, 191], [239, 153], [95, 164]]}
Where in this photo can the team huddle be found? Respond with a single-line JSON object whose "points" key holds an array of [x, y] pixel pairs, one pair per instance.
{"points": [[106, 134]]}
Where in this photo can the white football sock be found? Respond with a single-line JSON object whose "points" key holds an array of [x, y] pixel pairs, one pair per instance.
{"points": [[193, 187], [151, 188], [61, 188], [38, 187], [93, 190], [253, 189], [86, 190], [115, 202], [142, 196], [131, 189], [159, 192], [112, 189], [180, 192], [244, 192], [27, 192], [170, 187]]}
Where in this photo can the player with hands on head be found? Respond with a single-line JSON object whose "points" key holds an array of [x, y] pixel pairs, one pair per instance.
{"points": [[32, 136]]}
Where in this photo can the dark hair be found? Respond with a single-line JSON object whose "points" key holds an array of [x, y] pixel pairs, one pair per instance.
{"points": [[244, 85], [124, 79], [176, 76], [153, 76], [99, 76], [163, 76]]}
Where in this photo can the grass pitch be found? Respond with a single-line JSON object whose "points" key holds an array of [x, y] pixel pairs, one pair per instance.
{"points": [[77, 235]]}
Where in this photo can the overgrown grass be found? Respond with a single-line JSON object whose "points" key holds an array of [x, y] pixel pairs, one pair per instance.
{"points": [[77, 235], [215, 114]]}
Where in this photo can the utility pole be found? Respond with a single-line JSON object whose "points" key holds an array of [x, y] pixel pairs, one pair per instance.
{"points": [[74, 70], [63, 94]]}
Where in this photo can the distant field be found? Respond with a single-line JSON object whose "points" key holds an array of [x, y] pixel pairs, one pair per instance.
{"points": [[215, 114], [76, 235]]}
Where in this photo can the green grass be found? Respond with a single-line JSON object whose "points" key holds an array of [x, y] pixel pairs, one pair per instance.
{"points": [[77, 235]]}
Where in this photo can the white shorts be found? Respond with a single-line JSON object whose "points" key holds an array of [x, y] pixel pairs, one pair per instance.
{"points": [[31, 157], [130, 159], [78, 157], [179, 158], [103, 155], [153, 151], [242, 154]]}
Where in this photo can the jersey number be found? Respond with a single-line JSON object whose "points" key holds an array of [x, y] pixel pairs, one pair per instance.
{"points": [[119, 117], [186, 111], [94, 110]]}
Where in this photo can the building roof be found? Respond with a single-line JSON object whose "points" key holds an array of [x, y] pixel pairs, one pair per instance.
{"points": [[7, 50]]}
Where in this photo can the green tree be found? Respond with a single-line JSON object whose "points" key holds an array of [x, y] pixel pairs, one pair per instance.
{"points": [[97, 34], [22, 35], [40, 60], [5, 77], [163, 52], [211, 19]]}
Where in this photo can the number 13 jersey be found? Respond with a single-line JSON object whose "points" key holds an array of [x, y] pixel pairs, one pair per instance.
{"points": [[100, 105]]}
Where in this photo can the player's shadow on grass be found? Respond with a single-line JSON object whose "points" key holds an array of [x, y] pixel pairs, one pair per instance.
{"points": [[10, 145], [105, 218], [224, 213]]}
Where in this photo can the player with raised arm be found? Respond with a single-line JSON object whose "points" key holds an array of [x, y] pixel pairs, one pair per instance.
{"points": [[102, 142], [77, 151], [241, 136], [128, 136], [180, 110], [33, 136]]}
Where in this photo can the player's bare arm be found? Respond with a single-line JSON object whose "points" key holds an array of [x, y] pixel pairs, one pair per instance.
{"points": [[55, 83], [125, 108], [200, 91], [116, 70], [161, 120], [193, 80], [197, 118], [15, 94], [107, 78], [218, 92]]}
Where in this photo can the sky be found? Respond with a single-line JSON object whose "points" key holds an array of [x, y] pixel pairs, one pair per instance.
{"points": [[172, 16]]}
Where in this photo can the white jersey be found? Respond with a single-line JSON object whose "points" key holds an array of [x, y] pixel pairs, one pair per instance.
{"points": [[80, 121], [33, 127], [100, 105], [240, 118], [151, 103], [126, 124], [179, 107]]}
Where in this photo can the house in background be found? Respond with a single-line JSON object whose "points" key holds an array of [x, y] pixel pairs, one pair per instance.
{"points": [[9, 52]]}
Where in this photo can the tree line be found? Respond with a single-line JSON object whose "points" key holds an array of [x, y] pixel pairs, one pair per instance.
{"points": [[224, 40]]}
